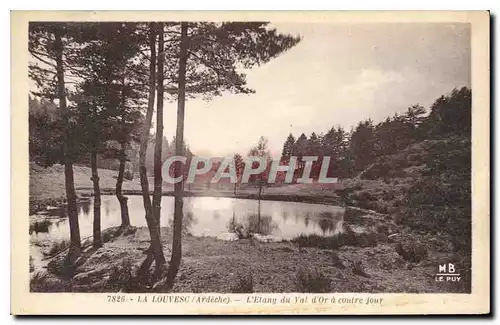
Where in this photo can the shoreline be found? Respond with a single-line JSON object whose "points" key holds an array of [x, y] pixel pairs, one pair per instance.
{"points": [[352, 212], [83, 194]]}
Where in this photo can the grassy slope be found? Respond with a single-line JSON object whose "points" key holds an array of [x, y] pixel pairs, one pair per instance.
{"points": [[48, 183]]}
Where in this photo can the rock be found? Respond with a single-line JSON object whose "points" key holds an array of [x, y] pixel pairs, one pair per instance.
{"points": [[391, 238], [227, 236], [83, 279], [267, 238]]}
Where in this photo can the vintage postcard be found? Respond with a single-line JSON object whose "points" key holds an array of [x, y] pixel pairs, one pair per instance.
{"points": [[250, 163]]}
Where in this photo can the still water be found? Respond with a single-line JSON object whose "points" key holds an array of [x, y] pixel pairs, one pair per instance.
{"points": [[211, 216]]}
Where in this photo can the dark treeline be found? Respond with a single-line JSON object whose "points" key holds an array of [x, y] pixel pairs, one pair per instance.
{"points": [[42, 111], [439, 140], [353, 151]]}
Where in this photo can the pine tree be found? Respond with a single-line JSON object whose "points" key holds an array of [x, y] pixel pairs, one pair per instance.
{"points": [[288, 147], [50, 44], [207, 63]]}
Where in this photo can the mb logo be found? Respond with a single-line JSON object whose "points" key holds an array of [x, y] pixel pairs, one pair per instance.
{"points": [[447, 273]]}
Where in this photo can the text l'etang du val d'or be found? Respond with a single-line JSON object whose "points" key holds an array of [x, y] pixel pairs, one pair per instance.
{"points": [[249, 299]]}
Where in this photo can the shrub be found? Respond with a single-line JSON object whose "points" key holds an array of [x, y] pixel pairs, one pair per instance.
{"points": [[336, 261], [120, 277], [43, 281], [330, 242], [313, 281], [40, 226], [237, 228], [413, 252], [244, 284], [57, 247], [388, 195], [358, 268]]}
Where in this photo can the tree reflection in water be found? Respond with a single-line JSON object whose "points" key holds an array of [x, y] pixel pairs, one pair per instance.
{"points": [[306, 220], [85, 206], [327, 223], [284, 215], [252, 224], [188, 221]]}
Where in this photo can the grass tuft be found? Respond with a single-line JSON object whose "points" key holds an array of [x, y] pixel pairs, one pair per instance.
{"points": [[315, 281], [244, 284]]}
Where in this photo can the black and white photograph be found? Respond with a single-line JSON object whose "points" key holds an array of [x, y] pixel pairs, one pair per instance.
{"points": [[250, 157]]}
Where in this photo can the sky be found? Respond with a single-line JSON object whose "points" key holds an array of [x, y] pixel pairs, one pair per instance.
{"points": [[339, 74]]}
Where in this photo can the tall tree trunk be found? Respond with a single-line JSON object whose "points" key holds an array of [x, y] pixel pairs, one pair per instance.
{"points": [[158, 180], [258, 217], [155, 247], [74, 228], [179, 168], [119, 183], [97, 200]]}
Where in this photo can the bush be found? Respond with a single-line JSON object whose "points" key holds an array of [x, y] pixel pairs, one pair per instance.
{"points": [[388, 195], [358, 268], [330, 242], [121, 277], [57, 247], [237, 228], [244, 284], [314, 282], [336, 261], [40, 226], [412, 252], [43, 281]]}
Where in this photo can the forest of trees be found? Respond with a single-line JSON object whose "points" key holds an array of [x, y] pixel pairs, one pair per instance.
{"points": [[438, 201], [101, 81], [353, 151]]}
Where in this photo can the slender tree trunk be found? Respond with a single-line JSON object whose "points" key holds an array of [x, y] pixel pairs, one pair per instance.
{"points": [[235, 184], [179, 168], [119, 183], [158, 180], [75, 243], [258, 217], [155, 247], [97, 200]]}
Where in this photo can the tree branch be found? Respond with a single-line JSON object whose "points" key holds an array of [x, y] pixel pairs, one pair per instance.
{"points": [[36, 55], [206, 64]]}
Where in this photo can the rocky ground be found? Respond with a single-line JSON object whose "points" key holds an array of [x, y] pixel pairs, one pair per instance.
{"points": [[248, 265]]}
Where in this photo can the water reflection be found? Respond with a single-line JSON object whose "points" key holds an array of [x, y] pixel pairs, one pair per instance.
{"points": [[327, 225], [85, 206], [188, 221], [284, 215], [210, 216], [306, 220]]}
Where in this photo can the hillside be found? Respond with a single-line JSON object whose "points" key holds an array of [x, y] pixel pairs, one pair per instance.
{"points": [[47, 184]]}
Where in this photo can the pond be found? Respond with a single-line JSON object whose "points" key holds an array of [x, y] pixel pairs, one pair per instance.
{"points": [[210, 216]]}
